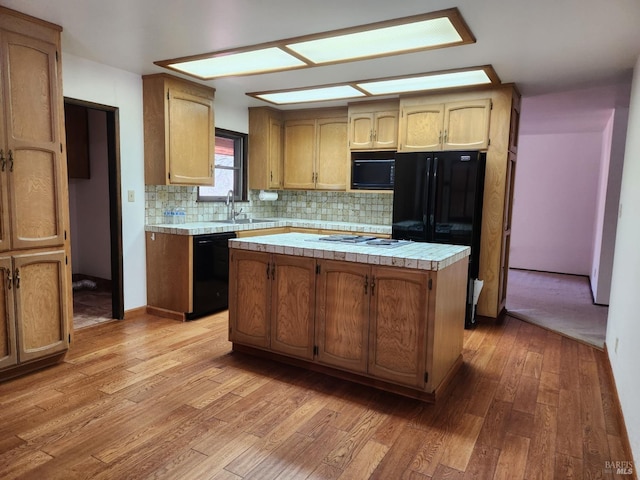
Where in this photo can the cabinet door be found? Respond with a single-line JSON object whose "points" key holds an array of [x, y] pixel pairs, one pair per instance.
{"points": [[397, 337], [40, 299], [293, 305], [385, 129], [421, 128], [466, 125], [342, 314], [299, 154], [249, 297], [191, 138], [33, 142], [332, 157], [275, 153], [8, 352], [360, 131]]}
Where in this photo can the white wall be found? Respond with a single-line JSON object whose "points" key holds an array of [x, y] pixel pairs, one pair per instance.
{"points": [[90, 228], [623, 326], [93, 82], [554, 202], [608, 197]]}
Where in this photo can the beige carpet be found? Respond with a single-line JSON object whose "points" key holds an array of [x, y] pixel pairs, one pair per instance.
{"points": [[562, 303]]}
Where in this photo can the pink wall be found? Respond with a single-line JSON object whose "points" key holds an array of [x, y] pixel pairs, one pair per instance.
{"points": [[555, 200]]}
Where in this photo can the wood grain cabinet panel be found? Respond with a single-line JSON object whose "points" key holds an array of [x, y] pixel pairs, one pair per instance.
{"points": [[292, 306], [35, 296], [266, 143], [342, 315], [397, 338], [370, 130], [179, 131], [40, 301], [31, 144], [250, 298], [8, 345], [315, 153], [460, 125]]}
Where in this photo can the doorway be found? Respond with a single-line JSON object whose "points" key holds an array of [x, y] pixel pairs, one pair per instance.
{"points": [[95, 211]]}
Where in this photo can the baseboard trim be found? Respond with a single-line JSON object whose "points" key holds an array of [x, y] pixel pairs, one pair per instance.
{"points": [[164, 313], [624, 436], [135, 312]]}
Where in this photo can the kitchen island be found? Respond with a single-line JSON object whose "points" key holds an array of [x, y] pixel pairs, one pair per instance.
{"points": [[383, 313]]}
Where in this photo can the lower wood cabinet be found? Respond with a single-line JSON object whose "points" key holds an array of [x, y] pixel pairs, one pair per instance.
{"points": [[384, 324], [32, 307], [272, 302], [398, 325]]}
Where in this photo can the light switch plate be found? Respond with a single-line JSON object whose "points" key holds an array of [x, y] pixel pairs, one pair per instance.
{"points": [[131, 195]]}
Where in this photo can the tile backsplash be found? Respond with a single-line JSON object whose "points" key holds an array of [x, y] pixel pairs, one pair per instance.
{"points": [[373, 208]]}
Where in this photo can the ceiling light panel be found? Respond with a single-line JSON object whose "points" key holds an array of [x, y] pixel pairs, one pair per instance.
{"points": [[337, 92], [444, 28], [379, 42], [241, 63], [426, 82]]}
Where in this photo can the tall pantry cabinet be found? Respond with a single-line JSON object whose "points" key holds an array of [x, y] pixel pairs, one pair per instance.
{"points": [[35, 277]]}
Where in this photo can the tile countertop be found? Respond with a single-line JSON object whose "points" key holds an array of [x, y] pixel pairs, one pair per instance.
{"points": [[201, 228], [422, 256]]}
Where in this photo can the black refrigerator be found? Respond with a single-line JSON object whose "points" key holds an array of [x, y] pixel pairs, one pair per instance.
{"points": [[437, 197]]}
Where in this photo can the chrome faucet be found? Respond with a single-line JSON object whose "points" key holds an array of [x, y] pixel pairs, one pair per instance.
{"points": [[230, 206]]}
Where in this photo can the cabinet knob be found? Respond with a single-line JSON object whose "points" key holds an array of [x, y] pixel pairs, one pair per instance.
{"points": [[16, 278], [366, 283], [9, 279], [2, 160], [10, 161]]}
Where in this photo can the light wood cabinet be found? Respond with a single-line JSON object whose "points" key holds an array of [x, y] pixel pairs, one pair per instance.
{"points": [[293, 305], [35, 304], [342, 315], [33, 307], [266, 131], [315, 153], [373, 126], [396, 328], [272, 302], [397, 338], [460, 125], [179, 131], [32, 179], [250, 298]]}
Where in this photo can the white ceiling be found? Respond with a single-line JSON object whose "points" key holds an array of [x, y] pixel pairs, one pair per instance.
{"points": [[543, 46]]}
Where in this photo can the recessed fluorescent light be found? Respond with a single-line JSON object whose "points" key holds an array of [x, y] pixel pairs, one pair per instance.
{"points": [[467, 77], [379, 41], [241, 63], [318, 94], [390, 37], [426, 82]]}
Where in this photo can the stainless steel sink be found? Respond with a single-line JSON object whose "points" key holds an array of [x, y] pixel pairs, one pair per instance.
{"points": [[243, 221]]}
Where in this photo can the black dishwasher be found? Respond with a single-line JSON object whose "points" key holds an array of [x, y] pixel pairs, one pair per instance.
{"points": [[210, 274]]}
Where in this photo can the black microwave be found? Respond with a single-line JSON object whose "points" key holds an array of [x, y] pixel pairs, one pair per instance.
{"points": [[372, 170]]}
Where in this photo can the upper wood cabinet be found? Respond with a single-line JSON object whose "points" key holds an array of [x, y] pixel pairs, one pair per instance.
{"points": [[315, 153], [428, 126], [32, 170], [373, 126], [179, 131], [266, 131]]}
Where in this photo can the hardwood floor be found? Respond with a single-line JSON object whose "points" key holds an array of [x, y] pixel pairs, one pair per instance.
{"points": [[156, 398]]}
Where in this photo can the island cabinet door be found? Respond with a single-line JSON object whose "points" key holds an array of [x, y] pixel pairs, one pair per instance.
{"points": [[293, 305], [342, 314], [398, 327], [249, 298]]}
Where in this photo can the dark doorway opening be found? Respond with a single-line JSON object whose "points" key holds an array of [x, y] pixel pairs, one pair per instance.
{"points": [[95, 205]]}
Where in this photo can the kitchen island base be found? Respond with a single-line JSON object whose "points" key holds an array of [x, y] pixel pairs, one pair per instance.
{"points": [[428, 397], [389, 318]]}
